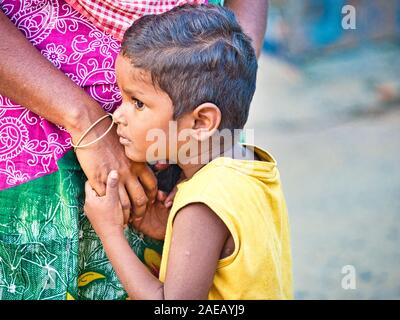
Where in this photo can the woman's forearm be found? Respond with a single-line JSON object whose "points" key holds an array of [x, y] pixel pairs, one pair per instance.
{"points": [[29, 79], [252, 15]]}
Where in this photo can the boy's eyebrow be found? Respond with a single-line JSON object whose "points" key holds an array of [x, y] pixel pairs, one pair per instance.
{"points": [[132, 92]]}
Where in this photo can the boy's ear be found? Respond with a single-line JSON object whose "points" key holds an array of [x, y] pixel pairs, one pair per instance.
{"points": [[206, 120]]}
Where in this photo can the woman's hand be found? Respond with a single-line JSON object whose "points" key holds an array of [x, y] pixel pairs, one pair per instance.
{"points": [[105, 213], [137, 184], [154, 221], [252, 16], [59, 100]]}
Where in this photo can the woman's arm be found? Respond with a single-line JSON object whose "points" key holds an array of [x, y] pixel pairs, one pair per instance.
{"points": [[197, 242], [29, 79], [252, 15]]}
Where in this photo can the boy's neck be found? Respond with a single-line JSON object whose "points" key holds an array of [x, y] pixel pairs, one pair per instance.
{"points": [[235, 151]]}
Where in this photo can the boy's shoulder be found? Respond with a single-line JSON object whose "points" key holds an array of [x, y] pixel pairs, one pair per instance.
{"points": [[236, 190], [226, 176]]}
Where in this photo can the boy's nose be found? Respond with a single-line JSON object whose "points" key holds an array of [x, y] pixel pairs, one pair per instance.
{"points": [[118, 115]]}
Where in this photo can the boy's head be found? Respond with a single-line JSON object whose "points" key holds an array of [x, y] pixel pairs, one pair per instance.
{"points": [[192, 64]]}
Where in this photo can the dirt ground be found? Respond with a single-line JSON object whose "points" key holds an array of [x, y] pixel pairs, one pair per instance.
{"points": [[334, 127]]}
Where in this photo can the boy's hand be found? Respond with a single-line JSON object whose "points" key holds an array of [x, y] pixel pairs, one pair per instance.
{"points": [[168, 199], [105, 213], [154, 221]]}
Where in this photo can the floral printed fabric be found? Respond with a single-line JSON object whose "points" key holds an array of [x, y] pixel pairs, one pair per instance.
{"points": [[116, 16], [48, 249], [30, 145]]}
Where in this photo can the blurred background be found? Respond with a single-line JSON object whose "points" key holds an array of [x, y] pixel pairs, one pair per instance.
{"points": [[327, 106]]}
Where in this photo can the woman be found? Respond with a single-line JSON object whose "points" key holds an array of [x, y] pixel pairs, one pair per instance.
{"points": [[47, 247]]}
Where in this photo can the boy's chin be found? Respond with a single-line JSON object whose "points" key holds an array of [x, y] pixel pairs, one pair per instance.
{"points": [[135, 156]]}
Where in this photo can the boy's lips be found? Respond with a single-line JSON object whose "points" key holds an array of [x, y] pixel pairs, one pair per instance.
{"points": [[122, 139]]}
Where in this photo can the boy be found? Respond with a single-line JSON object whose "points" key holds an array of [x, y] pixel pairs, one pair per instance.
{"points": [[185, 77]]}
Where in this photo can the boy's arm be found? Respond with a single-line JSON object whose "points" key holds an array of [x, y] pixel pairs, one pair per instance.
{"points": [[252, 15], [197, 241], [137, 280]]}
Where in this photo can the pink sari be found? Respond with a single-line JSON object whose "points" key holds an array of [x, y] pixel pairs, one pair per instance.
{"points": [[30, 145]]}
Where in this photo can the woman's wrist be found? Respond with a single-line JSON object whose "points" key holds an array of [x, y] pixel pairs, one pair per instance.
{"points": [[81, 118]]}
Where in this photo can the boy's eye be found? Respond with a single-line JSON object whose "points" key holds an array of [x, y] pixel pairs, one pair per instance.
{"points": [[138, 104]]}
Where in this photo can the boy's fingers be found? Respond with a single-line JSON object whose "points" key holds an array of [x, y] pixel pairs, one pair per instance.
{"points": [[161, 196], [112, 186], [170, 199], [168, 204], [161, 165]]}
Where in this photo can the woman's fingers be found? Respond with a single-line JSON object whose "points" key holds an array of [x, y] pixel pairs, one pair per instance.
{"points": [[125, 202], [136, 195], [149, 182], [99, 187]]}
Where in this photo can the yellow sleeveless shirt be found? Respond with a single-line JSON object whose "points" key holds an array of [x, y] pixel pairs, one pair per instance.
{"points": [[247, 196]]}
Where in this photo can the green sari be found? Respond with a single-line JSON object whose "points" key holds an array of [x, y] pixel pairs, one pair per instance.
{"points": [[48, 249]]}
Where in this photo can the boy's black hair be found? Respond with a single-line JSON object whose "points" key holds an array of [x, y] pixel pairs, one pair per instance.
{"points": [[197, 54]]}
